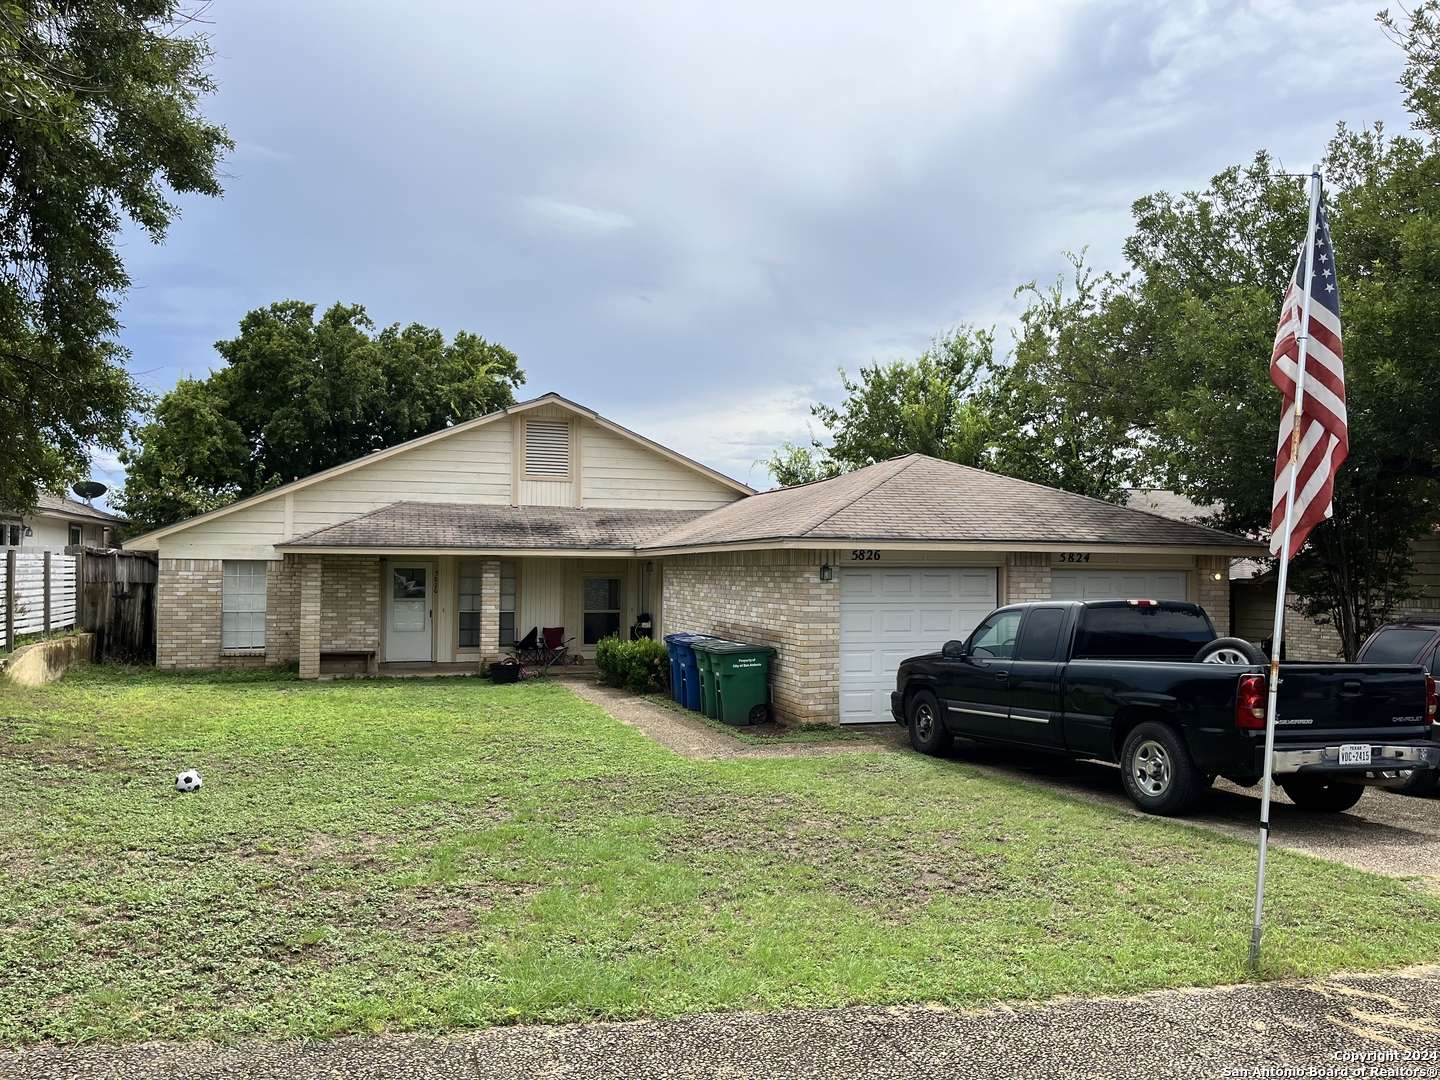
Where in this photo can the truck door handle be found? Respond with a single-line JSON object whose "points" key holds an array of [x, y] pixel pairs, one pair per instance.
{"points": [[1002, 676]]}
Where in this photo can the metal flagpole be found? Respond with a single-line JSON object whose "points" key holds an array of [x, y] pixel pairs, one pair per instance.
{"points": [[1302, 340]]}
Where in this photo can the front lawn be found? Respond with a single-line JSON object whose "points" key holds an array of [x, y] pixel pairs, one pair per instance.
{"points": [[432, 854]]}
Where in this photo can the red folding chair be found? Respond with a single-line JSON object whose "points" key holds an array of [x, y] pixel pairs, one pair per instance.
{"points": [[555, 646]]}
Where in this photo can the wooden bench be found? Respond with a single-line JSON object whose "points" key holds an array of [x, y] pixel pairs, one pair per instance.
{"points": [[349, 662]]}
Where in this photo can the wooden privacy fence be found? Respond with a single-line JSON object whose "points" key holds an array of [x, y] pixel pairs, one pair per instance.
{"points": [[37, 594], [117, 604]]}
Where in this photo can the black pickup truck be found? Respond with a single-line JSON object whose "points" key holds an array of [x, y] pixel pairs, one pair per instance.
{"points": [[1147, 684]]}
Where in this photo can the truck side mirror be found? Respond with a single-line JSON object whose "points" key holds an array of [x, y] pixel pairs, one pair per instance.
{"points": [[953, 650]]}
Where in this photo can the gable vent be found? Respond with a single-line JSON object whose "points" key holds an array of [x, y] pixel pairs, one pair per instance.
{"points": [[547, 448]]}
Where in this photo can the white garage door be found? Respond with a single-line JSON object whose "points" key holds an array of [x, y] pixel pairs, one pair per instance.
{"points": [[887, 614], [1119, 585]]}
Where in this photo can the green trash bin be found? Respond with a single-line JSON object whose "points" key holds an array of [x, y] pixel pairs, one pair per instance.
{"points": [[709, 702], [741, 674]]}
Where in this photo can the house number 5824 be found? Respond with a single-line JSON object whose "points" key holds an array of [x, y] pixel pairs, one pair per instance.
{"points": [[1075, 556]]}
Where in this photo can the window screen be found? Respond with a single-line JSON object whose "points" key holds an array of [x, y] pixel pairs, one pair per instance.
{"points": [[602, 608], [242, 605], [547, 448], [507, 603], [1040, 635], [471, 571]]}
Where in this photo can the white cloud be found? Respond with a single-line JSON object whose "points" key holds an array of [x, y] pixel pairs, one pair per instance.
{"points": [[573, 217]]}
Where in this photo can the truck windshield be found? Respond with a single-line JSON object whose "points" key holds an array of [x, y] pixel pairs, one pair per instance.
{"points": [[1141, 633], [1395, 646]]}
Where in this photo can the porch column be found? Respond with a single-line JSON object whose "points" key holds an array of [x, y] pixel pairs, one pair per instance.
{"points": [[309, 617], [490, 611]]}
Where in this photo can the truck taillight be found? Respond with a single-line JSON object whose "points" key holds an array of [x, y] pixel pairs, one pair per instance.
{"points": [[1250, 703], [1432, 699]]}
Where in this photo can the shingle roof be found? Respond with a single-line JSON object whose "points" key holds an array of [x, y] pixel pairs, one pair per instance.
{"points": [[921, 498], [59, 504], [452, 525]]}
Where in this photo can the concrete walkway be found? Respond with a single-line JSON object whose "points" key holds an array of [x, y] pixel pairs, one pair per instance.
{"points": [[1184, 1033]]}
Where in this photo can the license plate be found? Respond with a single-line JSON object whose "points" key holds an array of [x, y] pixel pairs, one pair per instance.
{"points": [[1355, 754]]}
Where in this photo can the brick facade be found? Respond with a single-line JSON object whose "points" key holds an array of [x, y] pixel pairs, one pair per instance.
{"points": [[1027, 577], [344, 600], [770, 598], [187, 613], [490, 611], [1212, 590]]}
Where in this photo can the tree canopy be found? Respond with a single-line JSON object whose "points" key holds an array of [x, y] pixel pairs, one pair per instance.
{"points": [[99, 123], [299, 394], [1158, 375]]}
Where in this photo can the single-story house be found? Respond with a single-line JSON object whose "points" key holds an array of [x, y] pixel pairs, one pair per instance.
{"points": [[445, 549], [59, 522]]}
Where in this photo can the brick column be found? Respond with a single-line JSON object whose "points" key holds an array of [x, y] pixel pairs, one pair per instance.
{"points": [[1027, 576], [490, 611], [1214, 595], [310, 581]]}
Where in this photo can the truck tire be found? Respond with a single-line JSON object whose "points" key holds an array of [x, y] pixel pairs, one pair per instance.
{"points": [[1157, 772], [1422, 783], [927, 726], [1322, 795], [1230, 650]]}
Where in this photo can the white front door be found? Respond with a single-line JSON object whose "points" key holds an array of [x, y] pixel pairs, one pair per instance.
{"points": [[889, 614], [1119, 585], [409, 610]]}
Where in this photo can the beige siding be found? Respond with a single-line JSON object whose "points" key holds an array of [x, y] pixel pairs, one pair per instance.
{"points": [[616, 472], [478, 466]]}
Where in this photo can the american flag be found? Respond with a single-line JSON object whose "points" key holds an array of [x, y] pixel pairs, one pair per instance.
{"points": [[1324, 438]]}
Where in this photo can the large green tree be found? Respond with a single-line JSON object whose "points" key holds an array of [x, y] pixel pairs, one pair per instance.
{"points": [[99, 124], [299, 394], [926, 405]]}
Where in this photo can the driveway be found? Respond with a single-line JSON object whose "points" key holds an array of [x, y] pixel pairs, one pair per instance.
{"points": [[1314, 1024], [1385, 833]]}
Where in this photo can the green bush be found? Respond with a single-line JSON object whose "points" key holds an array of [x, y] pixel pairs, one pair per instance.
{"points": [[639, 666]]}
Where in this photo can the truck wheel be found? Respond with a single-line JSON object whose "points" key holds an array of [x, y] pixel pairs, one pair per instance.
{"points": [[1229, 650], [1322, 795], [1157, 772], [1422, 782], [927, 728]]}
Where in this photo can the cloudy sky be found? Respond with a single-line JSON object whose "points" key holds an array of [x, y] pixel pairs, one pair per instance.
{"points": [[689, 216]]}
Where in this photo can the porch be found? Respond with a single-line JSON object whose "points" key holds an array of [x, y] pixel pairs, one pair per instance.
{"points": [[407, 615]]}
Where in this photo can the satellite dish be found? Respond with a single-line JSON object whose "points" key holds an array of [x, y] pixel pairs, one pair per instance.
{"points": [[89, 489]]}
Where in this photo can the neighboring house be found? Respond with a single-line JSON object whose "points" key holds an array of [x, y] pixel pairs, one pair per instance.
{"points": [[444, 549], [1252, 586], [58, 523]]}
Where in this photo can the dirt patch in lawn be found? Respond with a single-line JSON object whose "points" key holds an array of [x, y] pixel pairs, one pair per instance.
{"points": [[46, 755]]}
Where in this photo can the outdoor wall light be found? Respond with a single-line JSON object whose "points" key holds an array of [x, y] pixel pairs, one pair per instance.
{"points": [[1218, 576], [827, 572]]}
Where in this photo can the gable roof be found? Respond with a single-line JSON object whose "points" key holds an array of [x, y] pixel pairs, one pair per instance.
{"points": [[149, 539], [461, 527], [919, 499]]}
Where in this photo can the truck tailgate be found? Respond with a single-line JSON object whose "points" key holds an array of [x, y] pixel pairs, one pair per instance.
{"points": [[1363, 700]]}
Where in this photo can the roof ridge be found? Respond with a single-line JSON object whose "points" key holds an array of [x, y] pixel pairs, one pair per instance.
{"points": [[908, 459]]}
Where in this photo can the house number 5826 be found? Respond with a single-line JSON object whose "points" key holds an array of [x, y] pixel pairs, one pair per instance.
{"points": [[864, 555]]}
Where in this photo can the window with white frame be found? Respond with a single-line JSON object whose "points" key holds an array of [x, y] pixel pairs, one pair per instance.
{"points": [[76, 535], [242, 605], [602, 608], [507, 603], [471, 577], [10, 533]]}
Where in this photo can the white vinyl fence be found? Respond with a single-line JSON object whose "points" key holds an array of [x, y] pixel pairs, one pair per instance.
{"points": [[37, 594]]}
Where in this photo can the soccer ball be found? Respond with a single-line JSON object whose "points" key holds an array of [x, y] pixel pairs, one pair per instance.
{"points": [[189, 780]]}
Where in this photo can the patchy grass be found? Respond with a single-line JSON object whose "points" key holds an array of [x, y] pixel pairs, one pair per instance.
{"points": [[436, 854]]}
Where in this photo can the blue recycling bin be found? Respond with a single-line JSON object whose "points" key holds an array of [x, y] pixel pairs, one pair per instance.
{"points": [[684, 672]]}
